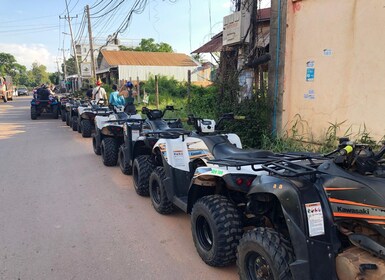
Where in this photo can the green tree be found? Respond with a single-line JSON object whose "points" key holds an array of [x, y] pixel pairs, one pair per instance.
{"points": [[70, 66], [7, 63], [38, 74], [54, 78], [149, 45]]}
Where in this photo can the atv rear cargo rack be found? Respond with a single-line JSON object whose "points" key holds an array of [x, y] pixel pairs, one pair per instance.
{"points": [[293, 167], [277, 164], [255, 163]]}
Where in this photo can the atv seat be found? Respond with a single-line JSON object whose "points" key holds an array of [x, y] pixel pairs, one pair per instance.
{"points": [[221, 148], [122, 116], [130, 109], [227, 150]]}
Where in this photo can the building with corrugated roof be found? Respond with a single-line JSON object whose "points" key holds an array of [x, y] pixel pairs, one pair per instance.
{"points": [[113, 66]]}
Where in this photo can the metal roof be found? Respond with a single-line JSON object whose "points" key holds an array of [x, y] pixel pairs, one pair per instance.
{"points": [[114, 58], [214, 45]]}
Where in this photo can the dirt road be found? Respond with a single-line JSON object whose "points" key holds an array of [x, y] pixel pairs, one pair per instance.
{"points": [[64, 215]]}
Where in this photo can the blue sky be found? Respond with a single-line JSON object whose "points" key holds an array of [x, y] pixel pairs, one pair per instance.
{"points": [[32, 31]]}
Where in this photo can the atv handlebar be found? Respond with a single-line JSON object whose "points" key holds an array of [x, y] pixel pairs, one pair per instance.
{"points": [[358, 156], [156, 113]]}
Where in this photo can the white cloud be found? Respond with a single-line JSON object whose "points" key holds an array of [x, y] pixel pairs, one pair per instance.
{"points": [[26, 54]]}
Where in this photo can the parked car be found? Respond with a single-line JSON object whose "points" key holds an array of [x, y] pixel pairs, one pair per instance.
{"points": [[22, 91]]}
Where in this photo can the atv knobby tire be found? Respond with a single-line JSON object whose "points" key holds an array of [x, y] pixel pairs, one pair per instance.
{"points": [[141, 171], [74, 122], [216, 226], [33, 113], [68, 118], [124, 163], [55, 112], [158, 193], [264, 254], [63, 115], [79, 125], [86, 128], [96, 148], [109, 151]]}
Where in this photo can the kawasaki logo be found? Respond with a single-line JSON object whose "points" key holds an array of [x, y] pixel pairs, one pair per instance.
{"points": [[354, 211]]}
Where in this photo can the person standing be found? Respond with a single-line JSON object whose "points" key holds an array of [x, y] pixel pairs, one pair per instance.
{"points": [[127, 92], [99, 93], [115, 98], [89, 92]]}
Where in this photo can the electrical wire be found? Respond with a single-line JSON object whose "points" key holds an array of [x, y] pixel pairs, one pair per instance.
{"points": [[96, 4], [102, 9]]}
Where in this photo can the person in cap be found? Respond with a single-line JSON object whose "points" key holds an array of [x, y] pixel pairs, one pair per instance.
{"points": [[99, 93]]}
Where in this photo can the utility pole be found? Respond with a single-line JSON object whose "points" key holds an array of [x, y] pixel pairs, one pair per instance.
{"points": [[157, 91], [67, 17], [277, 63], [64, 67], [93, 67]]}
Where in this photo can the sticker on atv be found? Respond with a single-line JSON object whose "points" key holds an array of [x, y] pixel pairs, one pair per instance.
{"points": [[178, 157], [315, 219]]}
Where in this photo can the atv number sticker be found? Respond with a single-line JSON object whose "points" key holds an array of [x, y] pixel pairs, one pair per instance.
{"points": [[135, 135], [315, 219], [178, 157]]}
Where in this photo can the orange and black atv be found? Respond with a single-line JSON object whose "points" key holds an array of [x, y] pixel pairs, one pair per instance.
{"points": [[321, 218]]}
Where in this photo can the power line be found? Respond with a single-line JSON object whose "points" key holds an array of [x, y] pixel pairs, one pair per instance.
{"points": [[111, 10], [102, 9], [96, 4]]}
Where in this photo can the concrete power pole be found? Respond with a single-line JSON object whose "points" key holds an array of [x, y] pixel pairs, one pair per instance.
{"points": [[73, 46], [277, 63], [93, 73]]}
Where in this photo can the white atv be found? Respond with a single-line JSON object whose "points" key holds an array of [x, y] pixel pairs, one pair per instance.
{"points": [[108, 134], [188, 177]]}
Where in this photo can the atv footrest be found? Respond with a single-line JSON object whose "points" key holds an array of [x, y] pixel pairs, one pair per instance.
{"points": [[181, 202]]}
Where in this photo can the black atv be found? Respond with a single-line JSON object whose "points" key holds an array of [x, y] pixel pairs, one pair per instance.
{"points": [[62, 107], [108, 134], [86, 116], [180, 158], [318, 219], [135, 157], [44, 102], [72, 113]]}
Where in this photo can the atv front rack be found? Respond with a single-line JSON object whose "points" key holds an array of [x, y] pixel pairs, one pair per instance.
{"points": [[126, 121], [168, 134]]}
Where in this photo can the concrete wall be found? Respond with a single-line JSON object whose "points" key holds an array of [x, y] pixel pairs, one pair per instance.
{"points": [[343, 42]]}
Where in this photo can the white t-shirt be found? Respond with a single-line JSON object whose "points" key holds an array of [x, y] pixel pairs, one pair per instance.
{"points": [[98, 93]]}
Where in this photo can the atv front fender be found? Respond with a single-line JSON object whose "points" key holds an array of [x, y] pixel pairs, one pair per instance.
{"points": [[313, 235]]}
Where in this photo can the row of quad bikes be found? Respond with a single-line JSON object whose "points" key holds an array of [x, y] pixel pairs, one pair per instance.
{"points": [[279, 216]]}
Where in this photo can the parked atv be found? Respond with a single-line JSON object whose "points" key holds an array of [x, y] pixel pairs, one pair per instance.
{"points": [[108, 134], [86, 116], [319, 220], [135, 157], [44, 102], [62, 107], [216, 218], [72, 113]]}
